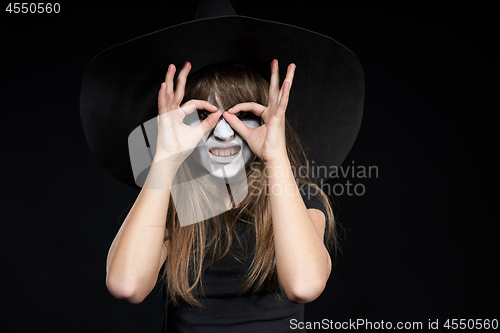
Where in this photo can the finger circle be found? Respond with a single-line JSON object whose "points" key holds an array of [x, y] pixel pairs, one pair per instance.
{"points": [[199, 105], [255, 108]]}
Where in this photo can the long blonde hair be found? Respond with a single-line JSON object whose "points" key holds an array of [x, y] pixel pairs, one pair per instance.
{"points": [[191, 247]]}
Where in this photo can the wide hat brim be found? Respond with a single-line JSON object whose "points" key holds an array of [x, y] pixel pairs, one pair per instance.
{"points": [[120, 86]]}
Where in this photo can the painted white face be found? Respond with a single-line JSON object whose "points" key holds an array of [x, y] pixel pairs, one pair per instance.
{"points": [[225, 153]]}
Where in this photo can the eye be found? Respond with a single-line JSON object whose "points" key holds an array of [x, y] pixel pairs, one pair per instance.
{"points": [[203, 114], [242, 114]]}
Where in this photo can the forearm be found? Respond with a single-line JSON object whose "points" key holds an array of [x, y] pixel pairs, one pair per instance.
{"points": [[302, 261], [137, 252]]}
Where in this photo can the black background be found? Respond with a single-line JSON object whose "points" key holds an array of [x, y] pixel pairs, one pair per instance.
{"points": [[420, 244]]}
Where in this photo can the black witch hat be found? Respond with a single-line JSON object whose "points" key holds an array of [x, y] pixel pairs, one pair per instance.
{"points": [[120, 86]]}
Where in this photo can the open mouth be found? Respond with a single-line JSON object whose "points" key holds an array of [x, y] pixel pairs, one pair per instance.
{"points": [[225, 152]]}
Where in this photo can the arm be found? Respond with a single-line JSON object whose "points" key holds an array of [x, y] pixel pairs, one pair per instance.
{"points": [[302, 260], [138, 250]]}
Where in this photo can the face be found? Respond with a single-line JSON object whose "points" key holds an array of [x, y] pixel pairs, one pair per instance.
{"points": [[224, 153]]}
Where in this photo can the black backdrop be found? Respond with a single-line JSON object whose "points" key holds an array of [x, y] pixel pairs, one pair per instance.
{"points": [[419, 244]]}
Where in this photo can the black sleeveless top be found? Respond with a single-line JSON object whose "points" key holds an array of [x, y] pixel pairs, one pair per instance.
{"points": [[224, 309]]}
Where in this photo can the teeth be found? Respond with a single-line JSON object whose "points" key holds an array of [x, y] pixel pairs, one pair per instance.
{"points": [[224, 152]]}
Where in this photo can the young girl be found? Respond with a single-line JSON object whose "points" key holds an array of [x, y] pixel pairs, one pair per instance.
{"points": [[253, 266]]}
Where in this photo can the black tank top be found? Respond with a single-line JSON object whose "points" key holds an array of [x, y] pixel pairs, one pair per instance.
{"points": [[224, 309]]}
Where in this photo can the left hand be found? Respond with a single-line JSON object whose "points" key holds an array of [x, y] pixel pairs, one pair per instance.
{"points": [[268, 140]]}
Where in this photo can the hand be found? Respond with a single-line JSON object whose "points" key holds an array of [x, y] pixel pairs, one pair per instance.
{"points": [[268, 140], [176, 140]]}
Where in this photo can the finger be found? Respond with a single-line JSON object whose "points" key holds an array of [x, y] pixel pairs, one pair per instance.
{"points": [[290, 73], [181, 83], [243, 130], [162, 101], [255, 108], [281, 109], [200, 105], [289, 77], [188, 109], [208, 124], [169, 80], [274, 83]]}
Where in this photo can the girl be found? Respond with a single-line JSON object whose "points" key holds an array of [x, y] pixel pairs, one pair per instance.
{"points": [[253, 266]]}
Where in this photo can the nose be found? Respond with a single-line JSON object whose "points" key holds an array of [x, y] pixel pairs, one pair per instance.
{"points": [[223, 131]]}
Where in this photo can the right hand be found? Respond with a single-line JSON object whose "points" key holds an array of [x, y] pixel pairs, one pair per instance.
{"points": [[176, 140]]}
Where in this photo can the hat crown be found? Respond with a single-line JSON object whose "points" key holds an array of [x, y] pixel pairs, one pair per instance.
{"points": [[214, 8]]}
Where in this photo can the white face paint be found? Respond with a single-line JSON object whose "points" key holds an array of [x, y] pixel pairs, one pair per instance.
{"points": [[225, 153]]}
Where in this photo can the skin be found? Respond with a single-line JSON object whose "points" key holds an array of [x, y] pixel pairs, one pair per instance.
{"points": [[224, 136], [138, 251]]}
